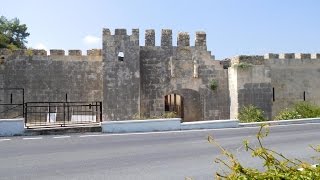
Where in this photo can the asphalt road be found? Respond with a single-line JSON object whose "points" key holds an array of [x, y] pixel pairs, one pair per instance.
{"points": [[170, 155]]}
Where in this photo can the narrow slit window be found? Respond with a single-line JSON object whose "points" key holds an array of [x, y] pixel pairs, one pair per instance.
{"points": [[273, 95], [304, 96], [120, 56]]}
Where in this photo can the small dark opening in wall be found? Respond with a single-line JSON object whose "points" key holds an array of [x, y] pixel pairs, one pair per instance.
{"points": [[120, 56], [2, 57], [273, 95], [304, 96]]}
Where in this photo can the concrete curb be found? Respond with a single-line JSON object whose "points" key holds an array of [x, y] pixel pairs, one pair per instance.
{"points": [[281, 122], [213, 124]]}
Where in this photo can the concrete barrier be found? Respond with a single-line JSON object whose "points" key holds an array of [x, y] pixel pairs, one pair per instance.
{"points": [[148, 125], [11, 127], [213, 124], [282, 122]]}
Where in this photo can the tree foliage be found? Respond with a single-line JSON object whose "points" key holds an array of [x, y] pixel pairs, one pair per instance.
{"points": [[12, 34]]}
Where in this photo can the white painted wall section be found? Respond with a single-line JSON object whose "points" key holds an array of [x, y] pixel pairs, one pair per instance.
{"points": [[11, 127], [148, 125]]}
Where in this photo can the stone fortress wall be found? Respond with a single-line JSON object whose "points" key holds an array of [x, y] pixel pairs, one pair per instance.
{"points": [[146, 77], [274, 81], [50, 77]]}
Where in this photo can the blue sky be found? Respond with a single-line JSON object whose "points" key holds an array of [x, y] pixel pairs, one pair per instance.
{"points": [[233, 27]]}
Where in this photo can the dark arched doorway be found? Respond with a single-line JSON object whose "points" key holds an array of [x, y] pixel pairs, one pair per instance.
{"points": [[174, 103], [186, 103]]}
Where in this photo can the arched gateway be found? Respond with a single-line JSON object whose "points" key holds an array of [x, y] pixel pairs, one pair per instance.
{"points": [[186, 103]]}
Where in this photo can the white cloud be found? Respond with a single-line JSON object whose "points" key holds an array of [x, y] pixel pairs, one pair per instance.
{"points": [[91, 40], [40, 46]]}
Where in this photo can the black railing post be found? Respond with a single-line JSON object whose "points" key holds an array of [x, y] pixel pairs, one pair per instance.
{"points": [[26, 114], [100, 111], [23, 103], [96, 113], [64, 113]]}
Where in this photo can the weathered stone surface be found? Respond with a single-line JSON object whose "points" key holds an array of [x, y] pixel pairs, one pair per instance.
{"points": [[75, 53], [39, 52], [94, 52], [271, 56], [287, 56], [166, 37], [57, 52], [201, 39], [183, 39], [150, 38], [302, 56]]}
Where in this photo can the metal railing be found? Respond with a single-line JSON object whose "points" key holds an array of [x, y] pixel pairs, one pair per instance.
{"points": [[62, 113]]}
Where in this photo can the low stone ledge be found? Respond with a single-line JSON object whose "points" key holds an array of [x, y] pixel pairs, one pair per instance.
{"points": [[11, 127], [212, 124], [148, 125], [281, 122]]}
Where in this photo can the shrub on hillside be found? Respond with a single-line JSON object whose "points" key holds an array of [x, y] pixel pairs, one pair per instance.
{"points": [[251, 114]]}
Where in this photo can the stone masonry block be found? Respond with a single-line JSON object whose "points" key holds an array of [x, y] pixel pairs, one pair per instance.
{"points": [[287, 56], [271, 56], [302, 56], [183, 39], [75, 53], [166, 37], [57, 52], [150, 37], [201, 39]]}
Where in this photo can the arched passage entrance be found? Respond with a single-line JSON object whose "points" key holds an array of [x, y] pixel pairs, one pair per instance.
{"points": [[174, 103], [186, 103]]}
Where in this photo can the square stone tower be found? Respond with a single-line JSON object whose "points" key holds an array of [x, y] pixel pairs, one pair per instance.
{"points": [[121, 79]]}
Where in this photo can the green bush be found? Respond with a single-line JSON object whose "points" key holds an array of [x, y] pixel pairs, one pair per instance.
{"points": [[213, 85], [299, 110], [276, 165], [243, 65], [307, 110], [251, 114], [287, 114]]}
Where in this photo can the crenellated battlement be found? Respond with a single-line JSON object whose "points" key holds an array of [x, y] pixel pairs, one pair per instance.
{"points": [[272, 58], [119, 32], [55, 54], [183, 38]]}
